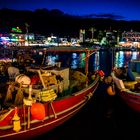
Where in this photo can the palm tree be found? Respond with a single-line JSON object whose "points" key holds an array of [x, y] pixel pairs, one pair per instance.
{"points": [[92, 29], [27, 31]]}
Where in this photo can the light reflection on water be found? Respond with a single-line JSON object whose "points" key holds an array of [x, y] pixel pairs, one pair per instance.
{"points": [[75, 60], [123, 57], [119, 59], [104, 60]]}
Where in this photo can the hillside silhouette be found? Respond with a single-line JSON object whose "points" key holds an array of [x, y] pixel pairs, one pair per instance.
{"points": [[46, 22]]}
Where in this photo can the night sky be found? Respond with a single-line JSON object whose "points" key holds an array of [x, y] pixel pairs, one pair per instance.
{"points": [[120, 9]]}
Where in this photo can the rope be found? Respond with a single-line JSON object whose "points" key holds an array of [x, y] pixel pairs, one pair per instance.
{"points": [[88, 55]]}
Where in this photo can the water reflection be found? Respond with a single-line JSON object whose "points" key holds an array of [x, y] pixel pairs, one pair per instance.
{"points": [[110, 59], [73, 60], [123, 57], [119, 59], [82, 56], [104, 60]]}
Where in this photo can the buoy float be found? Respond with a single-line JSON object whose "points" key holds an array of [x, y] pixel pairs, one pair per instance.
{"points": [[38, 111], [111, 91]]}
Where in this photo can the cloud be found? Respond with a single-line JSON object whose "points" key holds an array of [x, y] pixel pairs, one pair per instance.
{"points": [[105, 15]]}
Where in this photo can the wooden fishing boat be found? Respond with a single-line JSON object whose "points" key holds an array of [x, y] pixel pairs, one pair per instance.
{"points": [[127, 81], [48, 105]]}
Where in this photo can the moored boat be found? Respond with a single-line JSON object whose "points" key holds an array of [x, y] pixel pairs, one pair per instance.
{"points": [[41, 103], [127, 81]]}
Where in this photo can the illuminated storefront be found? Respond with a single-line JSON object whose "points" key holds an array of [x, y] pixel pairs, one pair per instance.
{"points": [[130, 39]]}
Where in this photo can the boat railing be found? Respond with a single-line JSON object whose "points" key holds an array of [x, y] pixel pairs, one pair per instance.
{"points": [[119, 83]]}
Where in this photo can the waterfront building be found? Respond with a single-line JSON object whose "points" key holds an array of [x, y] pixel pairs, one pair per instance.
{"points": [[82, 35], [130, 39]]}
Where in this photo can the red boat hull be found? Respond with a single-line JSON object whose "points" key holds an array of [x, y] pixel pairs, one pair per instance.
{"points": [[131, 99], [64, 110]]}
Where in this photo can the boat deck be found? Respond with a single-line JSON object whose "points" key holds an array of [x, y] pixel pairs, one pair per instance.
{"points": [[102, 118]]}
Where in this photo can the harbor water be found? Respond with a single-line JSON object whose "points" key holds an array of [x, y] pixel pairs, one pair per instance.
{"points": [[104, 117]]}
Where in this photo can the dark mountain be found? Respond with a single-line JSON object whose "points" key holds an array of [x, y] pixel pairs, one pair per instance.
{"points": [[45, 22]]}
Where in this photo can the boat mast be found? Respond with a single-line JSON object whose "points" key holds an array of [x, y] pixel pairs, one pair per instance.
{"points": [[86, 67], [87, 61]]}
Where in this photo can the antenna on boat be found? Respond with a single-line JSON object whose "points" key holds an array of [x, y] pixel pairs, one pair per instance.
{"points": [[88, 54]]}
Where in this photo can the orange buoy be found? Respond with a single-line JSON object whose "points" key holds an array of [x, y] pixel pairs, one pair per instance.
{"points": [[111, 91], [38, 111]]}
